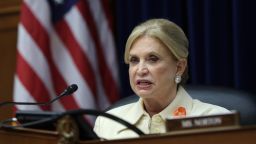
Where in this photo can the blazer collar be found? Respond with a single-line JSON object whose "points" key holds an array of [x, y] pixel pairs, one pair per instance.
{"points": [[135, 113], [182, 99]]}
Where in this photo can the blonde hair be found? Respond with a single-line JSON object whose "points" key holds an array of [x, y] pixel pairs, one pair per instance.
{"points": [[170, 34]]}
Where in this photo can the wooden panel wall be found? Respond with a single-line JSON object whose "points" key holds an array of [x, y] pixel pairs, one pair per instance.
{"points": [[9, 17]]}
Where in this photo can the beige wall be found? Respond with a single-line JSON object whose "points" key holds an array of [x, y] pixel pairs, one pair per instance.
{"points": [[9, 17]]}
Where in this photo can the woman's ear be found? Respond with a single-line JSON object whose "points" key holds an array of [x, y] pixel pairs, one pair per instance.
{"points": [[181, 66]]}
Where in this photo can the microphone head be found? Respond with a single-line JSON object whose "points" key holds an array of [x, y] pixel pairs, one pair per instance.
{"points": [[69, 90], [72, 88]]}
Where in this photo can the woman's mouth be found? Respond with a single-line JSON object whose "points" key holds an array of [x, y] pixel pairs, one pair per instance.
{"points": [[143, 84]]}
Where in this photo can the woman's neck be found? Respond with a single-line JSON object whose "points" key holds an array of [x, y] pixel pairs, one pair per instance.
{"points": [[156, 104]]}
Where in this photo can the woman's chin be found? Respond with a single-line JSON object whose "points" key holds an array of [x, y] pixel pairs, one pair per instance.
{"points": [[144, 93]]}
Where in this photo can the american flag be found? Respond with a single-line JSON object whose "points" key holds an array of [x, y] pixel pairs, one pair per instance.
{"points": [[61, 42]]}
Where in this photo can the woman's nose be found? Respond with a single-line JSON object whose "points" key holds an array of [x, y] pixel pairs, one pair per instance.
{"points": [[142, 69]]}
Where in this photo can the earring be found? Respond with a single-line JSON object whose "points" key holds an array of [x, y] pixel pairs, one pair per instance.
{"points": [[178, 79]]}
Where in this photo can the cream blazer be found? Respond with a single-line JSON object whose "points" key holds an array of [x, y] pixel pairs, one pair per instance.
{"points": [[108, 129]]}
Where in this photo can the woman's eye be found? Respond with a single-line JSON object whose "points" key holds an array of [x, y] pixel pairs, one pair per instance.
{"points": [[133, 60], [153, 59]]}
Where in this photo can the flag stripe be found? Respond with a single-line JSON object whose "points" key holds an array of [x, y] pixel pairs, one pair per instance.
{"points": [[35, 29], [80, 30], [74, 49], [22, 95], [105, 37], [105, 74], [32, 82], [36, 60], [70, 73], [106, 9]]}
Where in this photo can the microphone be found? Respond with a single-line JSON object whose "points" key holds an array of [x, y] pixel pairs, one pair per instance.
{"points": [[68, 91]]}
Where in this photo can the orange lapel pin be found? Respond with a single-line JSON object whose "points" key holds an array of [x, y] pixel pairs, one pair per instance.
{"points": [[180, 112]]}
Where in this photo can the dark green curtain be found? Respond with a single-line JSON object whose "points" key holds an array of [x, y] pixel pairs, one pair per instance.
{"points": [[221, 35]]}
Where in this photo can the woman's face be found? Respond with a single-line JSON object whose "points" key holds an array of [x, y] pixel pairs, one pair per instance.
{"points": [[152, 68]]}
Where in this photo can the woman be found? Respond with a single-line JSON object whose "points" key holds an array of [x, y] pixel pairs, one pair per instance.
{"points": [[156, 52]]}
